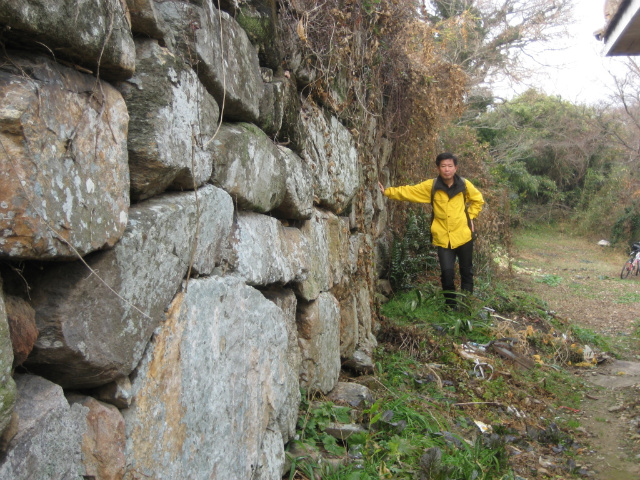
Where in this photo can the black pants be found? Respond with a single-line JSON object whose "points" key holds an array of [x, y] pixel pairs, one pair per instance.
{"points": [[447, 258]]}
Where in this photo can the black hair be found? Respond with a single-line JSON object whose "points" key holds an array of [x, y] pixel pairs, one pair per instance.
{"points": [[446, 156]]}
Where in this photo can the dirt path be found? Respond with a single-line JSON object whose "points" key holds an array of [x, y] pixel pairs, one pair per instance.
{"points": [[581, 282]]}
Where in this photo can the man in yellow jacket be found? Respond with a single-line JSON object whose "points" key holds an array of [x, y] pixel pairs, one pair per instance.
{"points": [[452, 228]]}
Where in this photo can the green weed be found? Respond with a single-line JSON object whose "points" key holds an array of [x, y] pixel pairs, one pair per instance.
{"points": [[416, 429], [426, 308], [558, 382], [626, 345], [549, 279], [573, 423], [316, 419], [587, 336], [499, 296], [585, 290], [630, 297], [636, 329], [403, 424]]}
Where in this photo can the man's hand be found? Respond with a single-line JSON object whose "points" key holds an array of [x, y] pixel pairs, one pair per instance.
{"points": [[381, 187]]}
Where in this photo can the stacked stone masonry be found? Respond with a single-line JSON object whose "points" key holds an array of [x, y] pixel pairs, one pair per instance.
{"points": [[177, 221]]}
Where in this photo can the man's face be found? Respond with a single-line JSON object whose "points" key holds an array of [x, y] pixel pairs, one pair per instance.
{"points": [[447, 169]]}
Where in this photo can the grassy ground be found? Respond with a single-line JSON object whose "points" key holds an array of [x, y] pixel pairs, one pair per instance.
{"points": [[485, 394], [581, 281]]}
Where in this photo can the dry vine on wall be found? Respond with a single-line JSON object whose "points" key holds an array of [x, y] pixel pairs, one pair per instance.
{"points": [[380, 68]]}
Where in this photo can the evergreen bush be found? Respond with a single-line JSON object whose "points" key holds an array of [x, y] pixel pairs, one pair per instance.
{"points": [[412, 253]]}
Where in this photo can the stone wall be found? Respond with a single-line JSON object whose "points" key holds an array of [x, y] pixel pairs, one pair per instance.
{"points": [[185, 240]]}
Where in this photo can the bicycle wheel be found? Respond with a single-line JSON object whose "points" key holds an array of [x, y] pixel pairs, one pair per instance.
{"points": [[627, 268]]}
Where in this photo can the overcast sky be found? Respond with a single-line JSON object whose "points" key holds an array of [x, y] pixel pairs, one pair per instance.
{"points": [[580, 71]]}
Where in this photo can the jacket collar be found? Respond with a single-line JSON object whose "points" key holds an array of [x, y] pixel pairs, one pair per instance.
{"points": [[457, 187]]}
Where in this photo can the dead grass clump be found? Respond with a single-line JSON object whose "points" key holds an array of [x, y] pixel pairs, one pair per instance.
{"points": [[414, 340]]}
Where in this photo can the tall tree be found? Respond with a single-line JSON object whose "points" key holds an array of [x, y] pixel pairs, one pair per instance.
{"points": [[490, 37], [627, 111]]}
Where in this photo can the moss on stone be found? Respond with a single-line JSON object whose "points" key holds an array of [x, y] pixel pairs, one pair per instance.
{"points": [[250, 127], [259, 28]]}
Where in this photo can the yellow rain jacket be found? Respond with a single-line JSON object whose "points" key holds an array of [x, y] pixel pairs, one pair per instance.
{"points": [[450, 227]]}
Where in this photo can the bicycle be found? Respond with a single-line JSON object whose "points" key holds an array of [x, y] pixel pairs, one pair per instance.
{"points": [[633, 263]]}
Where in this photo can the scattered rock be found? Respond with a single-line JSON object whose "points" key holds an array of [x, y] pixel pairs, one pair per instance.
{"points": [[360, 362], [369, 381], [384, 287], [300, 450], [344, 431], [358, 396]]}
